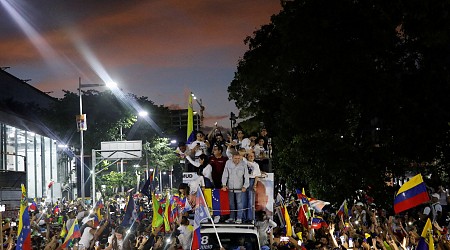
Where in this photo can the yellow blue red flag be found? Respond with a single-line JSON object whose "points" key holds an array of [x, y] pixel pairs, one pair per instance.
{"points": [[24, 229], [411, 194]]}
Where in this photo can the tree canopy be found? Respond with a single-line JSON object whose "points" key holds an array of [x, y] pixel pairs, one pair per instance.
{"points": [[350, 90]]}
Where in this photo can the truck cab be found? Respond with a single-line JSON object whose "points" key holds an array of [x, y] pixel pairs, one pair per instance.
{"points": [[232, 236]]}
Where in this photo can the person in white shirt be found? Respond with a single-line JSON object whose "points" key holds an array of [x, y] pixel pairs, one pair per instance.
{"points": [[115, 241], [186, 231], [90, 233], [203, 169], [241, 141], [435, 209], [249, 196], [199, 146]]}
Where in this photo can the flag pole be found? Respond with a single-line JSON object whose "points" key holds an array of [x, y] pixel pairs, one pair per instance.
{"points": [[212, 221]]}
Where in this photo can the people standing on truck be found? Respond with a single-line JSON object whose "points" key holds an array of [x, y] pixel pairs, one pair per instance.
{"points": [[249, 196], [235, 180], [204, 170], [217, 162]]}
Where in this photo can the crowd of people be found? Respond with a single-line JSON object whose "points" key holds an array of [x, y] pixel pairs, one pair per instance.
{"points": [[151, 219]]}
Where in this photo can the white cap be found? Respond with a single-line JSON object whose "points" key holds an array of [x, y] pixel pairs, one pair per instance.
{"points": [[86, 219], [436, 195], [359, 204]]}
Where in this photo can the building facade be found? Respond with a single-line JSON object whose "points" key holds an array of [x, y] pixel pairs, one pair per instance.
{"points": [[26, 144]]}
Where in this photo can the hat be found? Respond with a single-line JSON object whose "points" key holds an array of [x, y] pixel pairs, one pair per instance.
{"points": [[87, 219], [435, 195], [359, 204]]}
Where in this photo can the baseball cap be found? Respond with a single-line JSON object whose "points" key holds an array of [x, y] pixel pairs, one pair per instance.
{"points": [[436, 195], [359, 204], [86, 219]]}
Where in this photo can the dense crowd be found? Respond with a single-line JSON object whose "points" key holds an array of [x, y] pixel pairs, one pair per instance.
{"points": [[150, 219]]}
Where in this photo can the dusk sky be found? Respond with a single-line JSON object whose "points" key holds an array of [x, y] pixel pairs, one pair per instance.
{"points": [[162, 49]]}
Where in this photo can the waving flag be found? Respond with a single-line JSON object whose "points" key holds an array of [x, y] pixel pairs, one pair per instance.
{"points": [[33, 206], [63, 231], [287, 219], [167, 215], [317, 223], [157, 217], [73, 233], [144, 189], [318, 205], [98, 209], [411, 194], [24, 230], [130, 213], [426, 241], [190, 137], [201, 213], [56, 210], [303, 211]]}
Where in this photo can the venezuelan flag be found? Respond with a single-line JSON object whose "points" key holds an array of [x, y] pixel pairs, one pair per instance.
{"points": [[217, 201], [73, 233], [411, 194], [24, 229]]}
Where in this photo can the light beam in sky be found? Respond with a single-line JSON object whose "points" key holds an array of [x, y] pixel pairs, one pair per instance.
{"points": [[45, 50]]}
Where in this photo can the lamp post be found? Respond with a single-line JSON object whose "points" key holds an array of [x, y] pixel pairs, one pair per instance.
{"points": [[82, 126]]}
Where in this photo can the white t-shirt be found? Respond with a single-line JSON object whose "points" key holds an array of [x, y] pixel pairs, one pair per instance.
{"points": [[193, 184], [119, 242], [207, 171], [202, 150], [253, 169], [86, 238], [185, 236]]}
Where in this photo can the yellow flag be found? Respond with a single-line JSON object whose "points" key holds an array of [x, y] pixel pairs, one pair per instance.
{"points": [[427, 235], [190, 121], [288, 222], [63, 231]]}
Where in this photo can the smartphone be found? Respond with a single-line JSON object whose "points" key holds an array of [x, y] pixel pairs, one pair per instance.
{"points": [[285, 239], [342, 239], [350, 242], [97, 243], [13, 224]]}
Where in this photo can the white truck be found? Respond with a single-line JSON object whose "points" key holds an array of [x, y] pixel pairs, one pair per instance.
{"points": [[235, 236], [232, 236]]}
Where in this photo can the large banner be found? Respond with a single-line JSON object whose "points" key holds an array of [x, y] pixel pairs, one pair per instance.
{"points": [[264, 194]]}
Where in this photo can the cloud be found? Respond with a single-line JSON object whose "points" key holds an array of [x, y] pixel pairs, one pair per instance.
{"points": [[157, 48]]}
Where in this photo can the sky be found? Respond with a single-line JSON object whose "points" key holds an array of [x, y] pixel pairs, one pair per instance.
{"points": [[162, 49]]}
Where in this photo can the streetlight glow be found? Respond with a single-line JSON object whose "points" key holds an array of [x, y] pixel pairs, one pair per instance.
{"points": [[111, 84], [143, 113]]}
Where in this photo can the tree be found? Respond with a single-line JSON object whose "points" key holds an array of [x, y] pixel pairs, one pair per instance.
{"points": [[352, 90], [159, 154]]}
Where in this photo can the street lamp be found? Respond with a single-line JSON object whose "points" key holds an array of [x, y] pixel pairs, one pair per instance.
{"points": [[81, 121]]}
